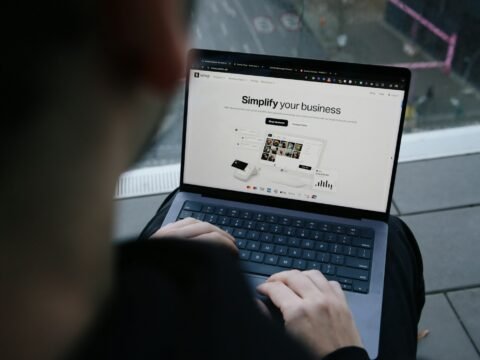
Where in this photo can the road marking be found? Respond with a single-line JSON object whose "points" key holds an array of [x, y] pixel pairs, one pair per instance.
{"points": [[199, 33], [246, 48], [263, 25], [224, 28], [214, 7], [291, 21], [228, 9], [250, 27]]}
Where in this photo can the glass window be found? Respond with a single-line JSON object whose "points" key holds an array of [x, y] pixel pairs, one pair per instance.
{"points": [[436, 39]]}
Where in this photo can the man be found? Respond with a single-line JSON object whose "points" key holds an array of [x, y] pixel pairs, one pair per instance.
{"points": [[83, 83]]}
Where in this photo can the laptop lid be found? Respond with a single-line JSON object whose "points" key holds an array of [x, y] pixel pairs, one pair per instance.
{"points": [[302, 134]]}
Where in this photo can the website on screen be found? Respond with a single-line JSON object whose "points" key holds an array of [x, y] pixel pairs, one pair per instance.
{"points": [[312, 141]]}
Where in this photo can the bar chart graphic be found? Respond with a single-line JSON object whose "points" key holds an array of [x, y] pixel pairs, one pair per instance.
{"points": [[325, 180], [324, 184]]}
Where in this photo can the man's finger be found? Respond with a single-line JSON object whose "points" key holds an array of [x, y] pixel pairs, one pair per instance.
{"points": [[189, 230], [301, 284], [175, 225], [215, 236], [318, 279], [281, 296]]}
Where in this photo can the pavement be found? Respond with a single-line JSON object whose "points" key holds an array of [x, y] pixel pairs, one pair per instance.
{"points": [[440, 201]]}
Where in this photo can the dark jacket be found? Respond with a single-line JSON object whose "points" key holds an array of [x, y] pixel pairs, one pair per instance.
{"points": [[187, 300]]}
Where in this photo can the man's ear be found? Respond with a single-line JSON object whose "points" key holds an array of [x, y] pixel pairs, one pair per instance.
{"points": [[150, 38]]}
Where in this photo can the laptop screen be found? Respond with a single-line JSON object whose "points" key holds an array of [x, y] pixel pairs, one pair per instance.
{"points": [[312, 134]]}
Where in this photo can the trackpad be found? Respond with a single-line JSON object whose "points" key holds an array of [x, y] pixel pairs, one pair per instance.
{"points": [[254, 281]]}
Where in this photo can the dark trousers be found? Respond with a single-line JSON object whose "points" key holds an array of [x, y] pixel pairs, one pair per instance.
{"points": [[404, 292]]}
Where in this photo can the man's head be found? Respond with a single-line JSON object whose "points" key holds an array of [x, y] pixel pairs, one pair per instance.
{"points": [[83, 87]]}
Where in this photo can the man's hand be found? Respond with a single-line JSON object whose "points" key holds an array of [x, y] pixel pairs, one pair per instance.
{"points": [[314, 309], [193, 229]]}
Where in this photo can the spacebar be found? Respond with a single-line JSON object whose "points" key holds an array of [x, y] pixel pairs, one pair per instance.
{"points": [[261, 269]]}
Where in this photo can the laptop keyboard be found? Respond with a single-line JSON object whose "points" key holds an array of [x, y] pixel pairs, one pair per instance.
{"points": [[270, 243]]}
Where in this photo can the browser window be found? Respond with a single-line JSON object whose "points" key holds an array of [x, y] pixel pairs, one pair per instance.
{"points": [[323, 142]]}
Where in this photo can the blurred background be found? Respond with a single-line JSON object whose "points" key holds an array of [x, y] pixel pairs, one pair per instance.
{"points": [[437, 183], [436, 39]]}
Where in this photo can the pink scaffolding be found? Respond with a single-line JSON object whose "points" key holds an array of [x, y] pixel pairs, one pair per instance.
{"points": [[451, 40]]}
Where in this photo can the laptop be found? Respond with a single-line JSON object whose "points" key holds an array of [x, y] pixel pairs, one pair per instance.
{"points": [[296, 158]]}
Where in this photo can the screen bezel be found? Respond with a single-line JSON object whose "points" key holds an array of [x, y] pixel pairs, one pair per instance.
{"points": [[374, 72]]}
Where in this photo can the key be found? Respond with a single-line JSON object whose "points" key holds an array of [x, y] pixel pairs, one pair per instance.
{"points": [[312, 225], [346, 287], [276, 229], [253, 235], [239, 233], [338, 259], [294, 252], [253, 245], [211, 218], [323, 257], [313, 265], [352, 230], [236, 223], [321, 246], [289, 231], [299, 264], [241, 243], [364, 253], [246, 215], [351, 273], [344, 239], [244, 254], [298, 223], [364, 243], [307, 244], [325, 227], [259, 217], [336, 248], [185, 214], [249, 224], [349, 250], [280, 239], [328, 269], [233, 212], [271, 219], [221, 211], [340, 229], [280, 250], [284, 221], [266, 237], [308, 254], [285, 261], [266, 248], [261, 226], [271, 259], [357, 263], [227, 229], [303, 233], [257, 257], [192, 206], [316, 235], [223, 220], [293, 241], [330, 237], [198, 216], [360, 286], [208, 209]]}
